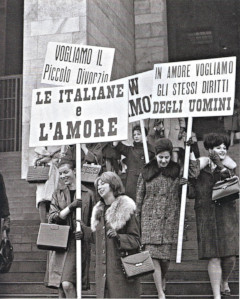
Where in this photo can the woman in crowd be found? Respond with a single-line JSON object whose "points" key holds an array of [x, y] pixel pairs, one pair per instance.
{"points": [[217, 225], [4, 209], [47, 156], [61, 268], [135, 159], [117, 232], [158, 202]]}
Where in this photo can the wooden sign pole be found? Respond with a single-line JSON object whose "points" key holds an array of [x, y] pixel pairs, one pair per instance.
{"points": [[144, 140], [78, 228], [184, 194]]}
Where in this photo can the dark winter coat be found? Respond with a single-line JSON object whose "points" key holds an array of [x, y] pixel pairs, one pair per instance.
{"points": [[158, 203], [61, 199], [135, 160], [4, 208], [110, 280], [217, 226]]}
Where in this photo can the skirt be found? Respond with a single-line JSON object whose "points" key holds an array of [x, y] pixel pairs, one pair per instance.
{"points": [[159, 251]]}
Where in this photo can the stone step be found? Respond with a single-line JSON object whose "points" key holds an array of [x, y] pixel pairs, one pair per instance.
{"points": [[173, 288]]}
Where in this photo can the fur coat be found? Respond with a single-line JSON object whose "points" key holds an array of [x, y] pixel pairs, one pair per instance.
{"points": [[110, 280]]}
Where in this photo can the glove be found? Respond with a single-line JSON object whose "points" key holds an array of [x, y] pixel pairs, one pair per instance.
{"points": [[216, 160], [111, 233], [78, 235], [181, 133], [77, 203], [183, 181]]}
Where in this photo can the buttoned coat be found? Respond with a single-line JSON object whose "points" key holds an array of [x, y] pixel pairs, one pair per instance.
{"points": [[4, 207], [217, 225], [110, 280], [61, 199], [158, 203]]}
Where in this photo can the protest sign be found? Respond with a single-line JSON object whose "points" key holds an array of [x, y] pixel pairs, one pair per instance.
{"points": [[140, 95], [70, 64], [70, 115], [194, 88]]}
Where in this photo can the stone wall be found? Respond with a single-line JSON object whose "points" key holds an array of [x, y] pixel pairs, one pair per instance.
{"points": [[94, 22], [111, 24], [151, 44]]}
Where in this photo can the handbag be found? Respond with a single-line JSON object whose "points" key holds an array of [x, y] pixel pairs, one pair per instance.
{"points": [[137, 264], [6, 255], [38, 174], [226, 190], [90, 172], [53, 237]]}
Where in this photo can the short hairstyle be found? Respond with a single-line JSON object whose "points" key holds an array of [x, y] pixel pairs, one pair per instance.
{"points": [[212, 140], [66, 161], [113, 180], [138, 128]]}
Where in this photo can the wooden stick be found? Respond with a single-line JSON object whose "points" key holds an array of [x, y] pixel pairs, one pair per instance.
{"points": [[184, 194], [78, 228], [144, 140]]}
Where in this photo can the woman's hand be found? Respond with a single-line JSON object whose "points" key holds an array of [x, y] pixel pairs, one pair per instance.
{"points": [[216, 159], [183, 181], [111, 233], [77, 203], [78, 235]]}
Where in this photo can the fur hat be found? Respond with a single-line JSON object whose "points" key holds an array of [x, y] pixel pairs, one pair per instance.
{"points": [[162, 145]]}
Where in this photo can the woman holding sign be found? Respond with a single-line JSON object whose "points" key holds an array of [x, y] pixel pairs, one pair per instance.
{"points": [[158, 205], [217, 225]]}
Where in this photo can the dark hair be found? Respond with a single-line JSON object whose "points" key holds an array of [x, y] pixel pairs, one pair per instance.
{"points": [[138, 128], [113, 180], [70, 163], [212, 140]]}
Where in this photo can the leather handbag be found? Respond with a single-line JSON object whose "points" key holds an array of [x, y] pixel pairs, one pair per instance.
{"points": [[90, 172], [138, 264], [6, 255], [53, 237], [38, 174], [226, 190]]}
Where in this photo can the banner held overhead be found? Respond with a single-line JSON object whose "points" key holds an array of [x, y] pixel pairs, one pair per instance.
{"points": [[70, 64], [86, 114], [194, 88]]}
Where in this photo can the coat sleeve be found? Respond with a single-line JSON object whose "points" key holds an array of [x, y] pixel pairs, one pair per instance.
{"points": [[140, 194], [94, 154], [55, 211], [4, 207], [123, 149], [131, 239]]}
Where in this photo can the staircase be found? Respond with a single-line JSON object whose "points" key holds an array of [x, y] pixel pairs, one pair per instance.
{"points": [[25, 279]]}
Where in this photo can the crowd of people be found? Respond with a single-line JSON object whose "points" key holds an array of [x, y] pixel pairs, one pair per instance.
{"points": [[123, 209]]}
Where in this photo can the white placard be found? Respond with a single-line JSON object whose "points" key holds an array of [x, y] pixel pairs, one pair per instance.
{"points": [[70, 64], [194, 88], [140, 96], [70, 115]]}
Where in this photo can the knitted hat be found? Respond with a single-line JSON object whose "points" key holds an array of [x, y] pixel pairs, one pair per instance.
{"points": [[162, 145]]}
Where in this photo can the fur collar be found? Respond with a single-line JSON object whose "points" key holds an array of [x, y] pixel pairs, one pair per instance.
{"points": [[227, 162], [116, 215], [151, 170]]}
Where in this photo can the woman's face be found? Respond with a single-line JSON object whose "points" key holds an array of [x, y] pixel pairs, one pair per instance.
{"points": [[103, 189], [221, 150], [137, 136], [163, 158], [67, 175]]}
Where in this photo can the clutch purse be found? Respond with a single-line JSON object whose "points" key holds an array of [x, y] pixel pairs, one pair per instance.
{"points": [[89, 172], [138, 264], [53, 237], [226, 190], [38, 174]]}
